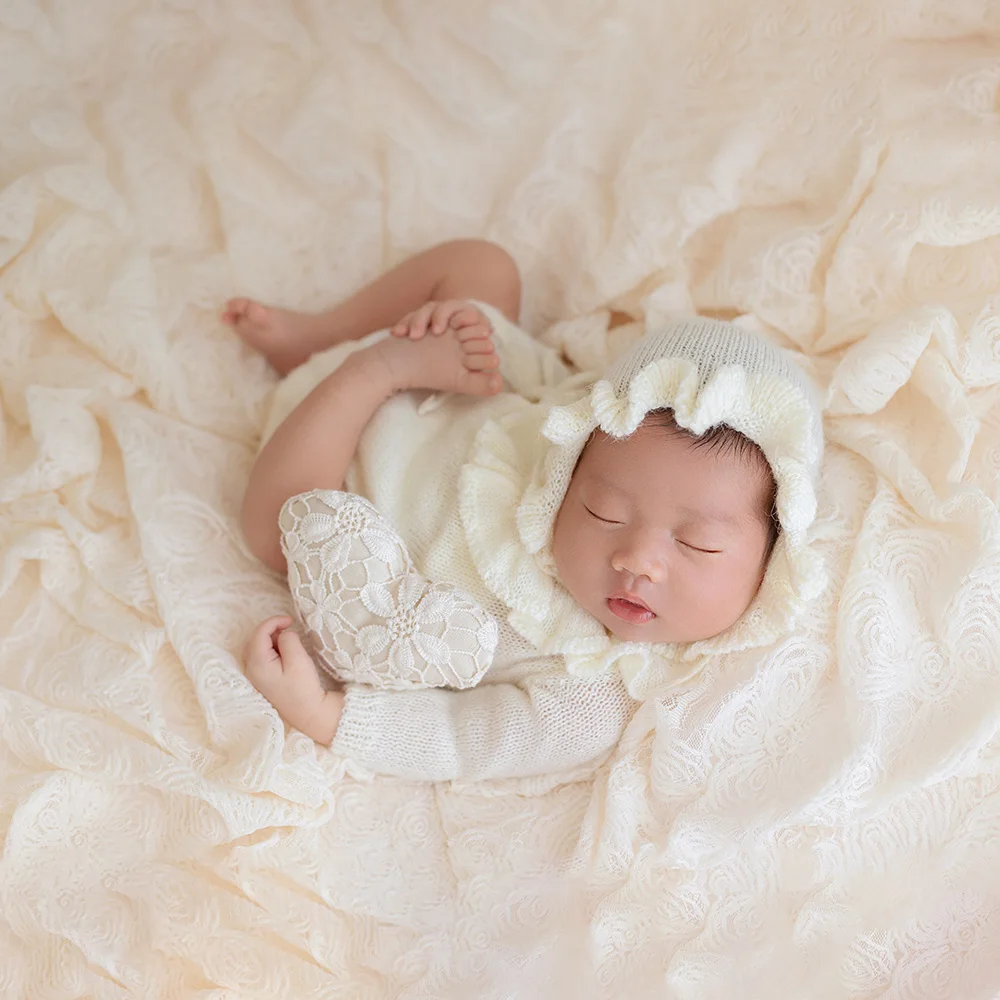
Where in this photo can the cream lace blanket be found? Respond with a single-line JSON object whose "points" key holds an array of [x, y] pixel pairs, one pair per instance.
{"points": [[820, 821]]}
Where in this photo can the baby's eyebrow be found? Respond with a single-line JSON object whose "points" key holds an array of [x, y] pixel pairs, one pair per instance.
{"points": [[725, 518], [607, 484]]}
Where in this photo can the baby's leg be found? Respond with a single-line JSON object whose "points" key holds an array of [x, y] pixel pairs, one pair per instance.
{"points": [[313, 447], [462, 269]]}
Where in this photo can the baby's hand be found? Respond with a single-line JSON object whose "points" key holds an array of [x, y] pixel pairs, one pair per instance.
{"points": [[279, 667], [455, 314]]}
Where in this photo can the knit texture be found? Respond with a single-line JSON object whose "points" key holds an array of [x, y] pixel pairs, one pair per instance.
{"points": [[475, 499], [708, 373], [813, 820], [714, 347], [528, 715]]}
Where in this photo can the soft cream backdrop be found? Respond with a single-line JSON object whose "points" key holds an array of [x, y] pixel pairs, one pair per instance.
{"points": [[818, 822]]}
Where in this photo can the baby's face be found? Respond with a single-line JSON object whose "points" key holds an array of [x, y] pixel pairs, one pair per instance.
{"points": [[659, 541]]}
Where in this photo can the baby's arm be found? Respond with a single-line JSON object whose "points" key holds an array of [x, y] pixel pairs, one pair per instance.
{"points": [[546, 724], [549, 723], [312, 448]]}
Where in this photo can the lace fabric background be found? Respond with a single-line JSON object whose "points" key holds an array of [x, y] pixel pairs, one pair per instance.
{"points": [[820, 821]]}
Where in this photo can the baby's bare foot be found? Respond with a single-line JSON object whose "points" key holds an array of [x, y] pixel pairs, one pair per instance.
{"points": [[286, 338], [462, 361]]}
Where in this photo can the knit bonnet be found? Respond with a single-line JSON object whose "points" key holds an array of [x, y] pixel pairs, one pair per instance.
{"points": [[708, 373]]}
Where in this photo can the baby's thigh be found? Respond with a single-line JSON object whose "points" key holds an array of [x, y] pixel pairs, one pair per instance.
{"points": [[301, 381]]}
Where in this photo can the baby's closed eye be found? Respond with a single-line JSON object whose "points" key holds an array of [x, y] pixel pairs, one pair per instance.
{"points": [[604, 518], [698, 548], [599, 517]]}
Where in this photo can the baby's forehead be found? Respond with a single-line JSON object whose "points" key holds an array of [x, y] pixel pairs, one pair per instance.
{"points": [[653, 445], [699, 505], [704, 484]]}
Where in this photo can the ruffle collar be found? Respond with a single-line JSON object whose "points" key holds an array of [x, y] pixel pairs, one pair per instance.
{"points": [[518, 472]]}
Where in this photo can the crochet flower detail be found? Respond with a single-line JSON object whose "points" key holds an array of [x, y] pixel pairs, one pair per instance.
{"points": [[410, 621], [314, 601], [370, 617], [333, 532]]}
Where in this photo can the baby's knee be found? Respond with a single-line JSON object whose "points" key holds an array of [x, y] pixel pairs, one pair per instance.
{"points": [[502, 262], [505, 278]]}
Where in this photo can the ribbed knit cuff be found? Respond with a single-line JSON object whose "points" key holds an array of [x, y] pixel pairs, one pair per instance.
{"points": [[356, 734]]}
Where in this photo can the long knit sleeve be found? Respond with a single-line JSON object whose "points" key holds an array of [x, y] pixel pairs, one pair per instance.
{"points": [[546, 723]]}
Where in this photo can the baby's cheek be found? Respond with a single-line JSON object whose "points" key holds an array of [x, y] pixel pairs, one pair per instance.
{"points": [[569, 551], [735, 592]]}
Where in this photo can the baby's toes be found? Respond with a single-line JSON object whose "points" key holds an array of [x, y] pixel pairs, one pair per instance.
{"points": [[475, 331], [481, 383], [235, 308], [257, 314], [481, 362], [467, 316], [481, 345]]}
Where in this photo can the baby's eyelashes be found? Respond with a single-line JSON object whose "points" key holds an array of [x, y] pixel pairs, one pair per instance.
{"points": [[702, 549], [605, 520], [695, 548]]}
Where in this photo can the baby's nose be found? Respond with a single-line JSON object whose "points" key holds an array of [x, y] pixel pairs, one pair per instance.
{"points": [[639, 560]]}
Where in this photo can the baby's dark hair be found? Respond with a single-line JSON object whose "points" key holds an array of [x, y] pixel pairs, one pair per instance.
{"points": [[725, 440]]}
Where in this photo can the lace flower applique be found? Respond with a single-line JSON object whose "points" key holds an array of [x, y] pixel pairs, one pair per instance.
{"points": [[370, 617]]}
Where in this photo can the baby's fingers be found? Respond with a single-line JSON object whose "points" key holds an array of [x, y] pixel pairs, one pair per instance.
{"points": [[289, 644], [419, 320], [263, 642], [442, 314], [402, 328]]}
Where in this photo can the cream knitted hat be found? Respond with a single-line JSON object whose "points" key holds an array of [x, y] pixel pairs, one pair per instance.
{"points": [[708, 373], [734, 361]]}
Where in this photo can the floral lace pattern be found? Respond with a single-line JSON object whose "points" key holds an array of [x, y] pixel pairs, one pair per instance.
{"points": [[369, 615], [816, 821]]}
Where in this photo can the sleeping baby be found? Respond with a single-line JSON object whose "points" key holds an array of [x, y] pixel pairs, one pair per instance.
{"points": [[492, 558]]}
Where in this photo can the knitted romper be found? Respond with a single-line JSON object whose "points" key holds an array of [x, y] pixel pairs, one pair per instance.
{"points": [[428, 587]]}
